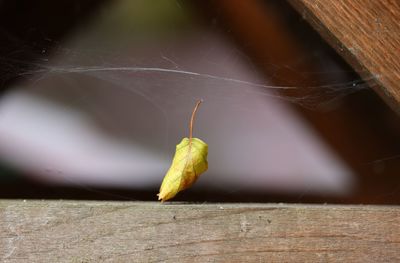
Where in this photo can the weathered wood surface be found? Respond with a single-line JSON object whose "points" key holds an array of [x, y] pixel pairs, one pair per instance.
{"points": [[366, 33], [79, 231]]}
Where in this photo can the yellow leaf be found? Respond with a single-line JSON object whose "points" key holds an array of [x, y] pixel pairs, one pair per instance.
{"points": [[189, 162]]}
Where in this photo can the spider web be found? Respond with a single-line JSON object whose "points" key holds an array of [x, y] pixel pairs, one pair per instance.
{"points": [[137, 92]]}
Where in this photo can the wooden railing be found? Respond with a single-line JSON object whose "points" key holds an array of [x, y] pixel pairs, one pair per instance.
{"points": [[366, 34], [82, 231]]}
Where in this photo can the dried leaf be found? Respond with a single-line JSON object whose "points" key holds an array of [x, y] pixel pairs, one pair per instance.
{"points": [[189, 162]]}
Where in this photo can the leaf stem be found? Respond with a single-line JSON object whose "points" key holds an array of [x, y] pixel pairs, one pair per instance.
{"points": [[192, 120]]}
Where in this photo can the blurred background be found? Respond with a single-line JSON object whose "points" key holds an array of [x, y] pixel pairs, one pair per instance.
{"points": [[96, 94]]}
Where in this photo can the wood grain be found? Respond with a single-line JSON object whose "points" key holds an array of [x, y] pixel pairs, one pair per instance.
{"points": [[79, 231], [364, 32]]}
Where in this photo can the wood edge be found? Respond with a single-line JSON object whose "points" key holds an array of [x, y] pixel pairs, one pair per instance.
{"points": [[17, 203], [346, 54]]}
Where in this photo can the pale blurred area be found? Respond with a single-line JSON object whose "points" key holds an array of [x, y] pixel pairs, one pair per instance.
{"points": [[115, 98]]}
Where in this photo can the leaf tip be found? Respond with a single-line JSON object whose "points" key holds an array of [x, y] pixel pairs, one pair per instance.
{"points": [[161, 198]]}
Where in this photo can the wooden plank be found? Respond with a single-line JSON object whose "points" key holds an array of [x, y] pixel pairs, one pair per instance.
{"points": [[80, 231], [364, 32]]}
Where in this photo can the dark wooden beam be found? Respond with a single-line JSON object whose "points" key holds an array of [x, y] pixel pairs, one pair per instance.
{"points": [[366, 34]]}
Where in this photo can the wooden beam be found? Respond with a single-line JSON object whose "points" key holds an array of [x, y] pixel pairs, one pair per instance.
{"points": [[81, 231], [366, 34]]}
